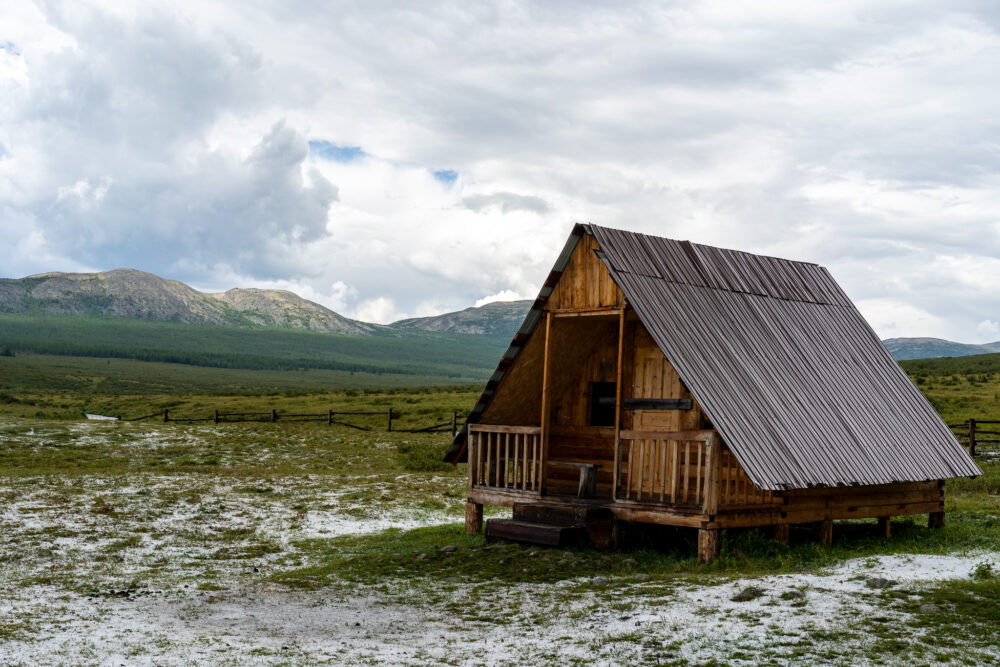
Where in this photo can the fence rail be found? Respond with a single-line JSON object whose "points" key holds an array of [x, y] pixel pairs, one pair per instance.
{"points": [[970, 432], [331, 417]]}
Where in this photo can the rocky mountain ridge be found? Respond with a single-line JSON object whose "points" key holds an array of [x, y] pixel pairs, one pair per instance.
{"points": [[136, 294]]}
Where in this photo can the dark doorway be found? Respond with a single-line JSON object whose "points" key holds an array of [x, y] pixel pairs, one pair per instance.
{"points": [[602, 403]]}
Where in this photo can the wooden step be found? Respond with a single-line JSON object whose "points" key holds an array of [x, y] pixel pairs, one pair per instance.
{"points": [[545, 534], [556, 515]]}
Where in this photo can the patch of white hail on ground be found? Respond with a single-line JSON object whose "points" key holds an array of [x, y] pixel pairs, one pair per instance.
{"points": [[357, 624]]}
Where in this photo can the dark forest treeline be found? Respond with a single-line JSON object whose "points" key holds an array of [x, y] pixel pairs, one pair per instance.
{"points": [[462, 357]]}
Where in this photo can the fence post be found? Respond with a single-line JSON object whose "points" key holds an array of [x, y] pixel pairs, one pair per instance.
{"points": [[216, 416], [329, 418], [454, 422], [390, 420], [972, 437], [166, 417], [274, 415]]}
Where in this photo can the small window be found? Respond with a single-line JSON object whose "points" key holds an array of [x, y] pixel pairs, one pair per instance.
{"points": [[602, 403]]}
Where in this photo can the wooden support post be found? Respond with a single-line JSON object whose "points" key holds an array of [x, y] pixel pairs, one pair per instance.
{"points": [[826, 532], [454, 423], [972, 437], [473, 518], [618, 406], [274, 415], [619, 537], [329, 418], [884, 527], [708, 544], [389, 428], [781, 533], [546, 360], [216, 416], [935, 520], [166, 415], [713, 471]]}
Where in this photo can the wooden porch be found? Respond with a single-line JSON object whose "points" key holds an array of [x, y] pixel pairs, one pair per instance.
{"points": [[681, 478]]}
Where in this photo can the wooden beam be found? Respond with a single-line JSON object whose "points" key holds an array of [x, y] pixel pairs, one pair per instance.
{"points": [[502, 428], [704, 435], [584, 312], [618, 404], [546, 398], [499, 497], [781, 533], [935, 520], [657, 404]]}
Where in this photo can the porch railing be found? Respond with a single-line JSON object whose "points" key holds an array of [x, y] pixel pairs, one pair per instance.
{"points": [[683, 469], [505, 457], [667, 467]]}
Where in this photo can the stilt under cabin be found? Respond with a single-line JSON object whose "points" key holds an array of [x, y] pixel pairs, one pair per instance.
{"points": [[665, 382]]}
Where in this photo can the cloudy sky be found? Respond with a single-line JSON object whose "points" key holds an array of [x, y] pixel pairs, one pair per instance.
{"points": [[401, 159]]}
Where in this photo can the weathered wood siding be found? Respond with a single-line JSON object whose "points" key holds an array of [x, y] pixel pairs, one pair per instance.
{"points": [[585, 283], [652, 376]]}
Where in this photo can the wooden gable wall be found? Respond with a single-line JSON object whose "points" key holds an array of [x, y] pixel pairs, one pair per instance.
{"points": [[585, 282]]}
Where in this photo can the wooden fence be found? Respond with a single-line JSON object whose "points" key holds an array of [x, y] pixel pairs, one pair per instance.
{"points": [[331, 417], [971, 433]]}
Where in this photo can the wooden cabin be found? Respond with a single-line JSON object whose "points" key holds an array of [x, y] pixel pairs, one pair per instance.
{"points": [[666, 382]]}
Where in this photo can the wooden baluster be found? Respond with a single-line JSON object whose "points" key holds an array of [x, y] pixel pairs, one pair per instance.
{"points": [[524, 463], [699, 474], [534, 462], [663, 468], [674, 470], [471, 465], [506, 460], [638, 486], [631, 462], [687, 469]]}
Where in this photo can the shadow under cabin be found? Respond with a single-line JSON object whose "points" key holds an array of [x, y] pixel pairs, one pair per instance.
{"points": [[664, 382]]}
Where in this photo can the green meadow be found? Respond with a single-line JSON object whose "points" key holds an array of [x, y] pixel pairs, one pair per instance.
{"points": [[302, 543]]}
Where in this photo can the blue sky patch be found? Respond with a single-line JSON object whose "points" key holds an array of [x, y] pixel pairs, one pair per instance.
{"points": [[329, 151], [446, 176], [10, 48]]}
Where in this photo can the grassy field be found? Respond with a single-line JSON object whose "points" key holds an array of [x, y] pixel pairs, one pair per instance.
{"points": [[158, 543], [959, 387], [304, 544], [394, 356]]}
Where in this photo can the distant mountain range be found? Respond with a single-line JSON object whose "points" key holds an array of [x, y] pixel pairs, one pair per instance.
{"points": [[133, 294], [500, 318], [927, 348]]}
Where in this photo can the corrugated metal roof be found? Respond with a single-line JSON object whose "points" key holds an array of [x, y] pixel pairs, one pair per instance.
{"points": [[800, 388]]}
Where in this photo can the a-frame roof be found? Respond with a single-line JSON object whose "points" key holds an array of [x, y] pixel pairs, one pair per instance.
{"points": [[798, 385]]}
